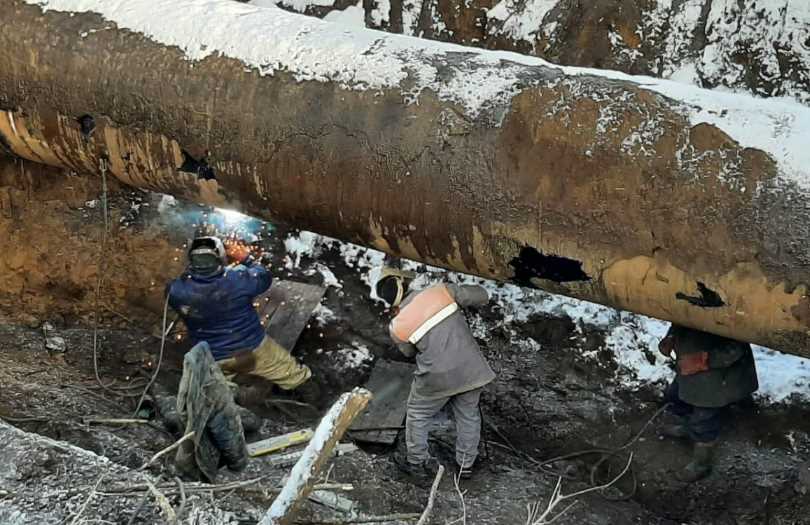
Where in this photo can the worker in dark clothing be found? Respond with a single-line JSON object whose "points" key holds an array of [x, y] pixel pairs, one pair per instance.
{"points": [[451, 371], [712, 373], [215, 301]]}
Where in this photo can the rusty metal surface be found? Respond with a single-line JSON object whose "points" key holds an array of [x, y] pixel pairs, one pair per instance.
{"points": [[539, 199]]}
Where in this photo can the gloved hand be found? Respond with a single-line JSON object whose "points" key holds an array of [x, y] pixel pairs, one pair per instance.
{"points": [[237, 252], [666, 346], [690, 364]]}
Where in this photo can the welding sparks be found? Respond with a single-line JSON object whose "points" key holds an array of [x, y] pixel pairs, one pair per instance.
{"points": [[232, 217]]}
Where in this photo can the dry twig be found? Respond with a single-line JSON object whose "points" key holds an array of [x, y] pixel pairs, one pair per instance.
{"points": [[432, 498], [536, 517], [461, 493], [87, 501], [114, 421], [366, 519], [168, 449], [163, 503]]}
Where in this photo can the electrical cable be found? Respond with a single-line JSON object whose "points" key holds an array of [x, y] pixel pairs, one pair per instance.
{"points": [[160, 356]]}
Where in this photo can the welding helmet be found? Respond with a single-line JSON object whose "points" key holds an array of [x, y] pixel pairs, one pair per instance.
{"points": [[390, 286], [206, 255]]}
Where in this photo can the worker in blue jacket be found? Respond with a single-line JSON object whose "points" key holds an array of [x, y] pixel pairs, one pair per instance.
{"points": [[215, 301]]}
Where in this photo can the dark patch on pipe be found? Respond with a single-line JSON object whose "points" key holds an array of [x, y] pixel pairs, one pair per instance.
{"points": [[198, 167], [532, 264], [5, 147], [87, 124], [708, 298], [801, 311]]}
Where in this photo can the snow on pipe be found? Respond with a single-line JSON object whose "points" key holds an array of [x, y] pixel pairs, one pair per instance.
{"points": [[642, 194]]}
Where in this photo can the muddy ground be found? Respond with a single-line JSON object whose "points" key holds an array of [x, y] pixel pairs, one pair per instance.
{"points": [[545, 402]]}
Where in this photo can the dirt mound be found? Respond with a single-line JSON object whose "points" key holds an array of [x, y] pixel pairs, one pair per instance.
{"points": [[51, 227]]}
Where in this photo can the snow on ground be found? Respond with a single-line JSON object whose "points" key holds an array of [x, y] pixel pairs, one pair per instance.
{"points": [[632, 338], [296, 5], [270, 39], [353, 16], [522, 20], [766, 29], [353, 357]]}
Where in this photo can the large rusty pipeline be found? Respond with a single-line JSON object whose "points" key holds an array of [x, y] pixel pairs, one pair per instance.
{"points": [[680, 223]]}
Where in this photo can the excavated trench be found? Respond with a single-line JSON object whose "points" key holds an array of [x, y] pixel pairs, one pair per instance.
{"points": [[547, 400]]}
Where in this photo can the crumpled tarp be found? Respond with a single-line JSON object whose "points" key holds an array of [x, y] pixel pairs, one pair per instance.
{"points": [[205, 402]]}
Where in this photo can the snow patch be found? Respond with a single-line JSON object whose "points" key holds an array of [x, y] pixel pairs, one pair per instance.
{"points": [[300, 246], [299, 6], [522, 20], [353, 16], [354, 357]]}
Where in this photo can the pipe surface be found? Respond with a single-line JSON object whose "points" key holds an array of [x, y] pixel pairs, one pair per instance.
{"points": [[641, 194]]}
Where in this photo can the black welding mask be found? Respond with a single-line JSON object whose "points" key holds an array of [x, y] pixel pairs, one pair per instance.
{"points": [[206, 255]]}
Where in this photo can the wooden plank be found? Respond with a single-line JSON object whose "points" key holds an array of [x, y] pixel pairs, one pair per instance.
{"points": [[390, 383], [286, 309], [291, 458], [276, 443], [305, 473]]}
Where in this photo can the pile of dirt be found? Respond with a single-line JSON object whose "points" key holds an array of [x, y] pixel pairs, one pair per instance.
{"points": [[51, 230]]}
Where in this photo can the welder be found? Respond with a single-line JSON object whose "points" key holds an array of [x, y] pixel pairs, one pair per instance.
{"points": [[215, 298]]}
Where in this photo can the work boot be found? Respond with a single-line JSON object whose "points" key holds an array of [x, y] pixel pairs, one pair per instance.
{"points": [[251, 395], [420, 473], [251, 423], [701, 464], [309, 392], [465, 473], [167, 412]]}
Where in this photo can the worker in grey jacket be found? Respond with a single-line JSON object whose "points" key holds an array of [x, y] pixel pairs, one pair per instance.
{"points": [[451, 370], [712, 373]]}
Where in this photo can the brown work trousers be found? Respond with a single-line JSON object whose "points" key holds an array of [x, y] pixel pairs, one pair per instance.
{"points": [[269, 361]]}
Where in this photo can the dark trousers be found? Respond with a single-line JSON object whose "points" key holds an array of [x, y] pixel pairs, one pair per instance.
{"points": [[703, 423]]}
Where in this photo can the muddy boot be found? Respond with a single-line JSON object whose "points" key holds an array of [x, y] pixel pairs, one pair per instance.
{"points": [[421, 474], [701, 464], [309, 393], [167, 412], [465, 473], [251, 423], [251, 395]]}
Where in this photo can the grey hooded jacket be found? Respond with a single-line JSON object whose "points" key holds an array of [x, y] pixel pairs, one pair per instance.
{"points": [[448, 359]]}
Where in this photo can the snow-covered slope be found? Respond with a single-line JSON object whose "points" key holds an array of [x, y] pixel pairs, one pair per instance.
{"points": [[270, 40]]}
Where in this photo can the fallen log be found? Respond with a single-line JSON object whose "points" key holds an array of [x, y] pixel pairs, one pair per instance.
{"points": [[637, 193], [319, 450]]}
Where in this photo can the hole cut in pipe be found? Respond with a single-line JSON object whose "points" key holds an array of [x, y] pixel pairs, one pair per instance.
{"points": [[198, 167], [532, 264], [708, 298]]}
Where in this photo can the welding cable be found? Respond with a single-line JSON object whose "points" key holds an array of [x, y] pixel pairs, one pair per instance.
{"points": [[605, 454], [101, 269], [160, 357]]}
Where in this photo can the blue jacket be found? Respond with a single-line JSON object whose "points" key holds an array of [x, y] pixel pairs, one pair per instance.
{"points": [[218, 309]]}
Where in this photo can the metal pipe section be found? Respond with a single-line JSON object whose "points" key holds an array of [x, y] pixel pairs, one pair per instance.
{"points": [[594, 187]]}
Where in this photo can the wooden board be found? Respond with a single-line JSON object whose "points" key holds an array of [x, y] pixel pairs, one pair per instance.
{"points": [[286, 309], [390, 384], [277, 443]]}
